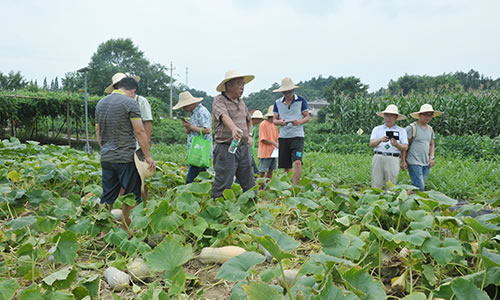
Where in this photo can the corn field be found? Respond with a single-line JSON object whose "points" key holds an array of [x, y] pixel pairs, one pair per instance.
{"points": [[465, 113]]}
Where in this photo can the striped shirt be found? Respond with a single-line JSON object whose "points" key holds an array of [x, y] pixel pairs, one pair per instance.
{"points": [[237, 111], [113, 115]]}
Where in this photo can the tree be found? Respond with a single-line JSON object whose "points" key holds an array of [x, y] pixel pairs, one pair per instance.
{"points": [[121, 55], [348, 86], [72, 82], [45, 85], [12, 81]]}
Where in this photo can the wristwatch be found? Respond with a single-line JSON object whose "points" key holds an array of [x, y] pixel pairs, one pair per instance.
{"points": [[432, 157], [250, 134]]}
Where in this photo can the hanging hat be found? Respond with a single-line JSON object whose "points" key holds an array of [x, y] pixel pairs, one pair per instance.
{"points": [[270, 112], [257, 114], [391, 109], [232, 74], [286, 85], [117, 78], [142, 167], [426, 108], [185, 99]]}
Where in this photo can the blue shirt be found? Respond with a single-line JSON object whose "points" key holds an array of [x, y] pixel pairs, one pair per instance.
{"points": [[200, 117], [292, 113]]}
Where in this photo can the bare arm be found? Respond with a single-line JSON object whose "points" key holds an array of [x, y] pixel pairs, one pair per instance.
{"points": [[142, 139], [431, 154], [191, 127], [374, 143], [304, 120], [148, 126], [278, 121], [269, 142]]}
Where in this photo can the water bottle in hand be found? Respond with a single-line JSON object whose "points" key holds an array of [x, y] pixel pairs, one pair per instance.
{"points": [[234, 144]]}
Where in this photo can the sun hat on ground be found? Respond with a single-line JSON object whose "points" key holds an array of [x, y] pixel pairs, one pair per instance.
{"points": [[117, 78], [270, 112], [257, 114], [286, 85], [391, 109], [232, 74], [426, 108], [185, 99], [142, 167]]}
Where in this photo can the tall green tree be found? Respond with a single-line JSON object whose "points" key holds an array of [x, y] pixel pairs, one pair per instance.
{"points": [[12, 82], [349, 86], [72, 82]]}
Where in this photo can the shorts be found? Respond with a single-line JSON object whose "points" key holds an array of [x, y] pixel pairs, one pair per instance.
{"points": [[290, 150], [117, 175], [266, 164]]}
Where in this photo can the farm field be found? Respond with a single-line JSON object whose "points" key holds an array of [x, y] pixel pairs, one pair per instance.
{"points": [[343, 238]]}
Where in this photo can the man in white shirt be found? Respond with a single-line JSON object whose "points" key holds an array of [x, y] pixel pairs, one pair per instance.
{"points": [[388, 141]]}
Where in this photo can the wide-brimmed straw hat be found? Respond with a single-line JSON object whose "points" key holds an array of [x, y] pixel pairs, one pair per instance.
{"points": [[391, 109], [117, 78], [232, 74], [142, 167], [185, 99], [257, 114], [286, 85], [426, 108], [270, 112]]}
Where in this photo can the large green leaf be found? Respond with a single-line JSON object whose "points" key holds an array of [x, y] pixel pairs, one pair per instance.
{"points": [[294, 201], [63, 208], [490, 259], [325, 258], [481, 227], [8, 289], [61, 279], [259, 291], [67, 246], [58, 295], [361, 280], [443, 251], [277, 185], [237, 267], [442, 199], [21, 222], [422, 219], [37, 196], [196, 226], [272, 247], [340, 244], [284, 241], [466, 290], [164, 220], [380, 233], [197, 187], [168, 255], [30, 293], [187, 202]]}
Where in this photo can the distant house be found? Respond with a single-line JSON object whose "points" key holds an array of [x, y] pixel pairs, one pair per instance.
{"points": [[316, 105]]}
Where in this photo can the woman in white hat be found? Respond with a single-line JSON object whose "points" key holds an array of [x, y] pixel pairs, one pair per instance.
{"points": [[420, 155], [388, 141], [200, 120], [257, 118], [232, 121]]}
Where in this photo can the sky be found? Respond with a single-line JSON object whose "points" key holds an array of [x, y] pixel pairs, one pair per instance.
{"points": [[374, 40]]}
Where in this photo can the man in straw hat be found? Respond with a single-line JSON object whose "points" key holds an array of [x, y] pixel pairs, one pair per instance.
{"points": [[146, 115], [268, 145], [119, 123], [232, 121], [291, 112], [388, 141], [420, 155], [200, 120]]}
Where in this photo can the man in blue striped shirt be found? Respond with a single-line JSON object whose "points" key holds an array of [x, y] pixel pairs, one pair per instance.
{"points": [[290, 113]]}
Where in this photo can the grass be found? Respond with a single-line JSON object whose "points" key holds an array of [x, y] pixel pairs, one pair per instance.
{"points": [[460, 178]]}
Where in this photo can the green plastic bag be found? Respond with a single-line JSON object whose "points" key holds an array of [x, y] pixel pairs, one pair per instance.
{"points": [[199, 153]]}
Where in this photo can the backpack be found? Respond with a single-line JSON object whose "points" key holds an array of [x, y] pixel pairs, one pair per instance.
{"points": [[414, 131]]}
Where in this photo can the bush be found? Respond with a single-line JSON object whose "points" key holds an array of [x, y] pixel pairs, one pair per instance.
{"points": [[168, 131]]}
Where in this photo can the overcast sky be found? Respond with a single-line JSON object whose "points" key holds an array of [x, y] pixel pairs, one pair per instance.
{"points": [[375, 40]]}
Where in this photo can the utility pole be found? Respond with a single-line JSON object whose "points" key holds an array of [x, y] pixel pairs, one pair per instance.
{"points": [[171, 87], [187, 85], [87, 147]]}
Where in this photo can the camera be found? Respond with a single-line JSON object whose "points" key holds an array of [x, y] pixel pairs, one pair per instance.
{"points": [[392, 135]]}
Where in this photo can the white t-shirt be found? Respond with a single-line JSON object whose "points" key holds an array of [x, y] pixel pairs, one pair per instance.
{"points": [[380, 131], [145, 108]]}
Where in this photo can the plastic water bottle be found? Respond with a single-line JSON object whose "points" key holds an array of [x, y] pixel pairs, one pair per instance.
{"points": [[234, 146]]}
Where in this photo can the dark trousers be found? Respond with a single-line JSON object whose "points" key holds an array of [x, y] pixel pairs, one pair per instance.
{"points": [[228, 165], [193, 172]]}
